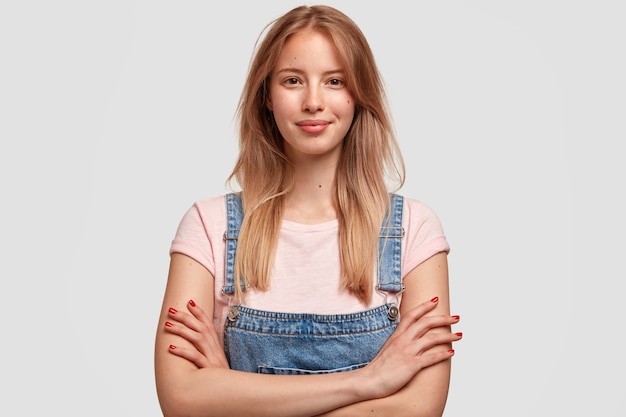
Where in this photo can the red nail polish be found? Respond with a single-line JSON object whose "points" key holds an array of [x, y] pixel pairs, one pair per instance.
{"points": [[172, 310], [434, 299], [192, 303], [459, 334], [168, 324], [451, 351], [457, 318], [172, 347]]}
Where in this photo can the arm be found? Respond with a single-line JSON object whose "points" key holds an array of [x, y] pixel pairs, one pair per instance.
{"points": [[186, 390], [427, 392], [207, 387]]}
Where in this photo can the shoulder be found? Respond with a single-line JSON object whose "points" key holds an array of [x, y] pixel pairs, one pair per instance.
{"points": [[205, 214], [200, 232], [211, 206], [416, 213], [423, 233]]}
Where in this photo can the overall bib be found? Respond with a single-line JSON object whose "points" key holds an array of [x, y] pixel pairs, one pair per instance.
{"points": [[293, 343]]}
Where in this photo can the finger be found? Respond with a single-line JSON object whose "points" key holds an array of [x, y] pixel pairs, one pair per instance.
{"points": [[180, 329], [212, 355], [209, 326], [434, 339], [418, 323], [428, 323], [191, 355], [425, 334], [204, 339], [198, 312], [185, 318], [432, 358], [417, 312]]}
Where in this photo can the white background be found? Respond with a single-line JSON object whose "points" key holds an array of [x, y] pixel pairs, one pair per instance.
{"points": [[115, 116]]}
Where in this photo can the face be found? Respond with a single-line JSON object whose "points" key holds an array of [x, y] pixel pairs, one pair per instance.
{"points": [[312, 106]]}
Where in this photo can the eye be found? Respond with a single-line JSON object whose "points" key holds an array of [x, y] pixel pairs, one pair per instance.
{"points": [[292, 81], [336, 82]]}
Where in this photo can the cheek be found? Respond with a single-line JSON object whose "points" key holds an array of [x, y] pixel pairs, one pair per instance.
{"points": [[283, 105], [280, 113], [348, 104], [349, 107]]}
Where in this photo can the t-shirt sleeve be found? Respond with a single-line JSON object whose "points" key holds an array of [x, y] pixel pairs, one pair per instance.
{"points": [[197, 232], [424, 235]]}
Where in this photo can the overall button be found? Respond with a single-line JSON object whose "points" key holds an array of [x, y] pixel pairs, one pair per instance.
{"points": [[233, 314], [393, 313]]}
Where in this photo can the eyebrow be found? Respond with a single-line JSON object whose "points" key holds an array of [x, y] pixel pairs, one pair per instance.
{"points": [[299, 71]]}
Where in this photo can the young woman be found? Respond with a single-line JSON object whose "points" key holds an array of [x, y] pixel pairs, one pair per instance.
{"points": [[315, 290]]}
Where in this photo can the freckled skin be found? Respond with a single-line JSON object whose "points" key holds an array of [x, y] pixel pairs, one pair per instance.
{"points": [[308, 85]]}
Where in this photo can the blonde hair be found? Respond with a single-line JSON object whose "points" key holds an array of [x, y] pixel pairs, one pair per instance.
{"points": [[370, 165]]}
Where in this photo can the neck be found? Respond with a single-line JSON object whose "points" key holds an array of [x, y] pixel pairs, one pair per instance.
{"points": [[311, 200]]}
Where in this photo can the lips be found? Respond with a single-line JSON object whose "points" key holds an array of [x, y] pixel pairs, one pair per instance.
{"points": [[313, 126]]}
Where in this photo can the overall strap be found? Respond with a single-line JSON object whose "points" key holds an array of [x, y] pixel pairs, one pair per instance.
{"points": [[390, 248], [234, 217]]}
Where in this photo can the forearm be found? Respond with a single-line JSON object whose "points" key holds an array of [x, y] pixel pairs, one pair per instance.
{"points": [[187, 387], [424, 396], [193, 378], [223, 392]]}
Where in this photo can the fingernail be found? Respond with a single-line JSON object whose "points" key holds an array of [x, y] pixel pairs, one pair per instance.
{"points": [[457, 318], [172, 347], [172, 310], [168, 324], [450, 351], [457, 333], [192, 303], [434, 299]]}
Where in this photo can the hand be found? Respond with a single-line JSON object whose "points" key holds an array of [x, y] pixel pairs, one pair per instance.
{"points": [[407, 351], [199, 330]]}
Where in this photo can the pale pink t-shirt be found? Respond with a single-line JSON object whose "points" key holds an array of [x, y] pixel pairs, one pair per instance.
{"points": [[306, 272]]}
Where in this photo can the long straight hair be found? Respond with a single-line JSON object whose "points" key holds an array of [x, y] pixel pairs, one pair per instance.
{"points": [[370, 165]]}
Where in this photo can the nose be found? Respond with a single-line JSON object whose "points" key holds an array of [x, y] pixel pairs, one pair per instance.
{"points": [[313, 99]]}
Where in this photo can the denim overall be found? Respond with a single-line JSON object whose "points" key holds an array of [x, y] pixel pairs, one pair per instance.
{"points": [[294, 343]]}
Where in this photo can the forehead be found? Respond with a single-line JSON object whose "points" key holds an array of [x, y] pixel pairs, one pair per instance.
{"points": [[308, 47]]}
